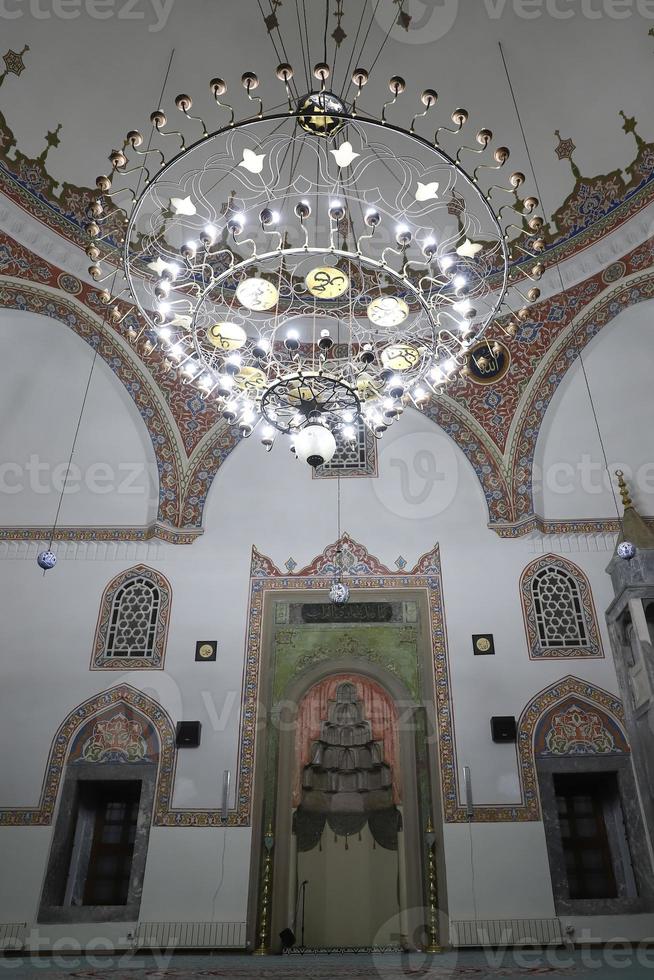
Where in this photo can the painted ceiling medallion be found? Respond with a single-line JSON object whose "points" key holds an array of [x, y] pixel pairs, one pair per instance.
{"points": [[400, 357], [303, 246], [387, 311], [488, 362], [327, 282], [257, 294], [250, 379], [227, 336]]}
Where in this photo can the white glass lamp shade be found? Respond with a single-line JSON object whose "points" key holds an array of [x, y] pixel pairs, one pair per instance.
{"points": [[314, 445]]}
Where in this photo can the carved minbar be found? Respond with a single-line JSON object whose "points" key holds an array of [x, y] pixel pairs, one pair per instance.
{"points": [[630, 620]]}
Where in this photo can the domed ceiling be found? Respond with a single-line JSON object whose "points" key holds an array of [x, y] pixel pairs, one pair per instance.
{"points": [[565, 85]]}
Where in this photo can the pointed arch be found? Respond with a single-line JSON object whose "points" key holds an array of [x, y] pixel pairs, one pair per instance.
{"points": [[137, 382], [157, 730], [558, 610], [132, 625], [540, 712], [590, 319]]}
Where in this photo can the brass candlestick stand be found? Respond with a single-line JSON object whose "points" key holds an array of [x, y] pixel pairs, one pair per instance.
{"points": [[432, 926], [264, 904]]}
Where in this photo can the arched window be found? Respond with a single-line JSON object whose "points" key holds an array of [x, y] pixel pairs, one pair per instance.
{"points": [[133, 621], [559, 615]]}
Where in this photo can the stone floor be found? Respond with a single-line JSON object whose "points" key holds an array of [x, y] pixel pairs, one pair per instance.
{"points": [[630, 964]]}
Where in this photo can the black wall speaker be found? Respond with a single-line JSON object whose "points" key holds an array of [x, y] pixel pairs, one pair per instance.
{"points": [[188, 734], [504, 728]]}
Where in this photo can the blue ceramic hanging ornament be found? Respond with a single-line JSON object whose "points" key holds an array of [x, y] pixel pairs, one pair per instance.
{"points": [[46, 560], [626, 550]]}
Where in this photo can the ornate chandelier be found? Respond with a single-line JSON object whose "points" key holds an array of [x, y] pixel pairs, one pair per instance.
{"points": [[313, 265]]}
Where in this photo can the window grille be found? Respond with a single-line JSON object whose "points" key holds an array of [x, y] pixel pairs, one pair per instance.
{"points": [[558, 608], [133, 621], [353, 457], [133, 625], [559, 613]]}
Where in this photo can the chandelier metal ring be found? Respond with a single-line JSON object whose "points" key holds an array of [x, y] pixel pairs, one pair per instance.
{"points": [[315, 243], [346, 118]]}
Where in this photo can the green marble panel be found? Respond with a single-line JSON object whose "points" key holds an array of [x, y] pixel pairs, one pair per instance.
{"points": [[389, 645]]}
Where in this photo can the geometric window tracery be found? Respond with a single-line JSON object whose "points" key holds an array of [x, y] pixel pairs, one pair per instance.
{"points": [[558, 609], [353, 457], [133, 621]]}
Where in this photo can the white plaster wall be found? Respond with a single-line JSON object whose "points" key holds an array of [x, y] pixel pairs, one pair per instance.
{"points": [[207, 868], [44, 371], [570, 476], [484, 883], [270, 500]]}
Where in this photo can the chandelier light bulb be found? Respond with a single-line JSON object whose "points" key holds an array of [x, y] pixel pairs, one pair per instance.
{"points": [[261, 347], [325, 343], [177, 351], [209, 234], [224, 385], [372, 218], [446, 262], [233, 363], [336, 211], [348, 432], [429, 247], [303, 210], [292, 341], [230, 412], [267, 437], [462, 306], [315, 445], [459, 282], [165, 334], [189, 250], [236, 223], [403, 235]]}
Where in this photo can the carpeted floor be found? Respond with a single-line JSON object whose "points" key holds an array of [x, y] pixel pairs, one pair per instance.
{"points": [[519, 965]]}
